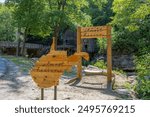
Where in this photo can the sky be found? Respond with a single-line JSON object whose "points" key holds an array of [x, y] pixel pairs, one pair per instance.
{"points": [[2, 0]]}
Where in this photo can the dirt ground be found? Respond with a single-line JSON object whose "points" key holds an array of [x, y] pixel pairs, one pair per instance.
{"points": [[17, 86]]}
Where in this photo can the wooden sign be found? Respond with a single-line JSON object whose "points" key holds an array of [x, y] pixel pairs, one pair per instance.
{"points": [[49, 68], [95, 32]]}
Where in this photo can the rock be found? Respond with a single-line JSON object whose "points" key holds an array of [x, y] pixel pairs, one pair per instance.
{"points": [[124, 62], [92, 67], [131, 74], [122, 91]]}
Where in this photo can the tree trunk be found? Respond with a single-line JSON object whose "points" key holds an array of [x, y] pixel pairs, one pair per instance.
{"points": [[56, 35], [18, 42], [23, 44]]}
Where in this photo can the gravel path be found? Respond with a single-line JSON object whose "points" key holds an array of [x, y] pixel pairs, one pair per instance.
{"points": [[16, 86]]}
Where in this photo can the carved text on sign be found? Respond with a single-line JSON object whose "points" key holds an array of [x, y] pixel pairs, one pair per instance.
{"points": [[49, 68], [95, 32]]}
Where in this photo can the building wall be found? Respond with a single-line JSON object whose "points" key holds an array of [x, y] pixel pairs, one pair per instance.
{"points": [[70, 38]]}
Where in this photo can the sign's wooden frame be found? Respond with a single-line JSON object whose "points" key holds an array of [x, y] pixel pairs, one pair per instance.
{"points": [[96, 32]]}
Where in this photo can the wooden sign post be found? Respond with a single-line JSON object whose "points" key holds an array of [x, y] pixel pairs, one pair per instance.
{"points": [[96, 32], [55, 92], [42, 93], [49, 68]]}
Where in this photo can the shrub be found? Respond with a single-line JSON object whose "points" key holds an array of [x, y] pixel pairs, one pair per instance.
{"points": [[142, 86], [100, 64]]}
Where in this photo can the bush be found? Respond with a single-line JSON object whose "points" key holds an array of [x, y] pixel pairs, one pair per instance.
{"points": [[142, 87], [100, 64]]}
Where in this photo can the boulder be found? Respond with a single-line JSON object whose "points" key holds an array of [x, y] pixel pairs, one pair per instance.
{"points": [[123, 91]]}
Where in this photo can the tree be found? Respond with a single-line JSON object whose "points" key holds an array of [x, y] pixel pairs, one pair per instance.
{"points": [[48, 16], [131, 26], [27, 15], [130, 13], [131, 33], [7, 30], [64, 14], [101, 12]]}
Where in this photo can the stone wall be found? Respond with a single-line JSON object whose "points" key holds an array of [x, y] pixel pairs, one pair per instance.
{"points": [[125, 62]]}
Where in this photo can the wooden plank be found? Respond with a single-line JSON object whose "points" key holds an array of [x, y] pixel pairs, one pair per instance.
{"points": [[48, 70], [73, 58], [51, 68], [45, 74], [94, 36], [47, 63], [53, 46], [109, 60], [102, 32], [95, 32], [8, 44], [57, 53], [79, 49], [53, 58], [45, 80], [85, 55], [47, 85], [93, 29]]}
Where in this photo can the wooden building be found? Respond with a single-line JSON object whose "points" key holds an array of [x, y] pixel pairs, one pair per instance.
{"points": [[69, 40], [10, 48]]}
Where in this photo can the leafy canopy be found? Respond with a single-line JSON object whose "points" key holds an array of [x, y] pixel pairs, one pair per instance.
{"points": [[130, 13], [7, 30]]}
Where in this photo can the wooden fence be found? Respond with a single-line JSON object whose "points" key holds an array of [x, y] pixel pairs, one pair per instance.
{"points": [[8, 44]]}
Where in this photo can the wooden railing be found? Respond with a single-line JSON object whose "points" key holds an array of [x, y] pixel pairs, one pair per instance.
{"points": [[8, 44]]}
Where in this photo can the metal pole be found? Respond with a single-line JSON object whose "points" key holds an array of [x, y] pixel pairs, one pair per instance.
{"points": [[42, 93], [55, 92]]}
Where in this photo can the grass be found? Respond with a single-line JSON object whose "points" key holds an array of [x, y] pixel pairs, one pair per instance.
{"points": [[25, 64]]}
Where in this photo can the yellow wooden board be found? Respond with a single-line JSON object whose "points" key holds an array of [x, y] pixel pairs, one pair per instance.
{"points": [[94, 28], [48, 63], [95, 32], [49, 68], [50, 58], [57, 53], [48, 80], [45, 74], [43, 85]]}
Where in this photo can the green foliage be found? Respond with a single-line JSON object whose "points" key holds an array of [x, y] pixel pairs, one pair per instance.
{"points": [[129, 13], [28, 15], [63, 14], [100, 11], [142, 88], [100, 64], [138, 41], [119, 72], [7, 30], [101, 45], [131, 26], [143, 81], [143, 65]]}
